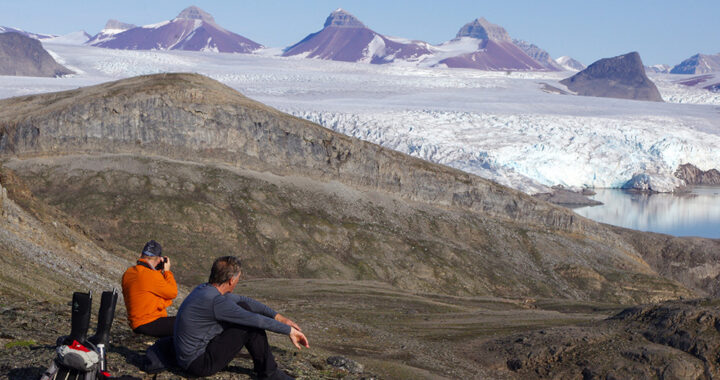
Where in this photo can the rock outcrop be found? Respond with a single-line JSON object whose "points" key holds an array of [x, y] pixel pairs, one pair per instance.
{"points": [[618, 77], [24, 56], [694, 176], [192, 162]]}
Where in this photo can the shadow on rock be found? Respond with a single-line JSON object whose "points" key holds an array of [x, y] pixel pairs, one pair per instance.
{"points": [[26, 373]]}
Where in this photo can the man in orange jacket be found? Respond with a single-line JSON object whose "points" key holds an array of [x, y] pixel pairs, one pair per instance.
{"points": [[149, 288]]}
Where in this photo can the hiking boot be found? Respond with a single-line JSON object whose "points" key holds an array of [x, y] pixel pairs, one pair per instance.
{"points": [[108, 300], [80, 317]]}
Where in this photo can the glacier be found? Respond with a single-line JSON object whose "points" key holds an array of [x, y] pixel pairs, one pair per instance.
{"points": [[498, 125]]}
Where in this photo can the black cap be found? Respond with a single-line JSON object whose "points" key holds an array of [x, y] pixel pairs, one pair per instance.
{"points": [[152, 248]]}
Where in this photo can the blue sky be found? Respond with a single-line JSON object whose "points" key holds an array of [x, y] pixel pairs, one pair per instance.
{"points": [[661, 31]]}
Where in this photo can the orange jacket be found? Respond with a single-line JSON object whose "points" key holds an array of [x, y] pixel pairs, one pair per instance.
{"points": [[147, 293]]}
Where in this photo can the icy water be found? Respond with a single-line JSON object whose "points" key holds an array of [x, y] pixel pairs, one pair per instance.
{"points": [[694, 214]]}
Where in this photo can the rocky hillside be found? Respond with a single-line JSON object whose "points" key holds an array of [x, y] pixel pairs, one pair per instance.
{"points": [[617, 77], [194, 164], [24, 56], [46, 254]]}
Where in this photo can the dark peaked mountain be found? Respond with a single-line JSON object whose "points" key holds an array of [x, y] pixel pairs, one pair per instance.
{"points": [[193, 29], [345, 38], [25, 56], [187, 160], [495, 49], [617, 77], [698, 64]]}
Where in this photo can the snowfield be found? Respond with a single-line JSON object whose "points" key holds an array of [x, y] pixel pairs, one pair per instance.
{"points": [[499, 125]]}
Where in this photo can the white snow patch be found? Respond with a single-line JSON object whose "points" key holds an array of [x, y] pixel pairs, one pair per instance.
{"points": [[376, 48], [157, 25], [110, 32]]}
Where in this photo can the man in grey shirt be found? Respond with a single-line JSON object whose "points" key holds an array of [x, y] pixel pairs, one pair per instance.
{"points": [[213, 325]]}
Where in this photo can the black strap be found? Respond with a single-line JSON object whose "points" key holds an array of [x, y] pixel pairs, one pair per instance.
{"points": [[146, 265]]}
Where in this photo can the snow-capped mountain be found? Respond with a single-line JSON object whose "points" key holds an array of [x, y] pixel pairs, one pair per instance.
{"points": [[74, 38], [538, 54], [698, 64], [570, 64], [345, 38], [193, 29], [658, 69], [112, 27], [493, 49], [37, 36]]}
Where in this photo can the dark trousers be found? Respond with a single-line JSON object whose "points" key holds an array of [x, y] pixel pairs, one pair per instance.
{"points": [[224, 347], [160, 327]]}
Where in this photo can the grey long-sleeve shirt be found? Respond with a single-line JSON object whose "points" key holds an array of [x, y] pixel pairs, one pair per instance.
{"points": [[198, 320]]}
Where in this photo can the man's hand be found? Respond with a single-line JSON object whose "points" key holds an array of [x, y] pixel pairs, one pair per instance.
{"points": [[287, 321], [167, 263], [298, 339]]}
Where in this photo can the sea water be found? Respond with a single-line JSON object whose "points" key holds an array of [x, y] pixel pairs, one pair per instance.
{"points": [[696, 213]]}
